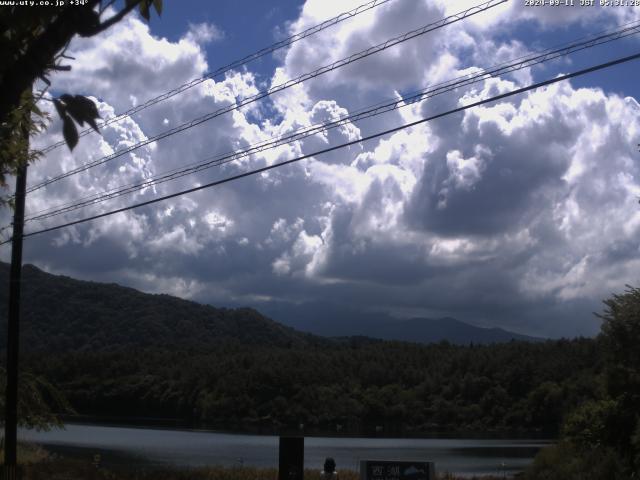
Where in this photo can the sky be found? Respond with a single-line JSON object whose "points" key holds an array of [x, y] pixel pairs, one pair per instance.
{"points": [[521, 214]]}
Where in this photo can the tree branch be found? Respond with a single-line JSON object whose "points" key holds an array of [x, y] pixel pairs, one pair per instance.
{"points": [[113, 20], [41, 95], [106, 5]]}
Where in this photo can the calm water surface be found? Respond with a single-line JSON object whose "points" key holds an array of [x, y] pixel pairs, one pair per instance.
{"points": [[184, 448]]}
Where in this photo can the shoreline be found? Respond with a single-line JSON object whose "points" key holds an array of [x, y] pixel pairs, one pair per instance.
{"points": [[37, 463], [159, 448], [152, 423]]}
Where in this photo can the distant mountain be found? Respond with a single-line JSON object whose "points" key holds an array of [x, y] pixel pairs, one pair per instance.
{"points": [[63, 314], [329, 320], [427, 330]]}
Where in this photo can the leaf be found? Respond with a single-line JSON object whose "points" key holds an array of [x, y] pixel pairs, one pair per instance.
{"points": [[70, 132], [88, 22], [93, 124], [36, 110], [62, 111], [158, 6], [144, 9], [81, 109]]}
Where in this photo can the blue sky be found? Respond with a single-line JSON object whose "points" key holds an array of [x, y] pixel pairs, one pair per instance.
{"points": [[521, 214], [620, 81], [248, 26]]}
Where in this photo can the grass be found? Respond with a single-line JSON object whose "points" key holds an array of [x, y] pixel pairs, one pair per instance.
{"points": [[37, 464], [74, 470], [29, 454]]}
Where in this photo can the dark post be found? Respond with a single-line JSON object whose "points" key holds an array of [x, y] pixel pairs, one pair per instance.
{"points": [[11, 403], [291, 456]]}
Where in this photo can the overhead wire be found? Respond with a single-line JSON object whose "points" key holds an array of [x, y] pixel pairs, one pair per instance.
{"points": [[495, 98], [525, 61], [231, 66], [278, 88]]}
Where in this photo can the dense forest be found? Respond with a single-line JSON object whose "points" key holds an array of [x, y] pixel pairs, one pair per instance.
{"points": [[357, 384]]}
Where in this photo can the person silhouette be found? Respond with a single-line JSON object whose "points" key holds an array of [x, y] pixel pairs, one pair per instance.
{"points": [[329, 470]]}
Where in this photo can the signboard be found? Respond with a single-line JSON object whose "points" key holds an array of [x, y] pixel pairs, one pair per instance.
{"points": [[396, 470]]}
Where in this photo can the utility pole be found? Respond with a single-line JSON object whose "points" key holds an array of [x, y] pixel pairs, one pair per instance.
{"points": [[15, 280]]}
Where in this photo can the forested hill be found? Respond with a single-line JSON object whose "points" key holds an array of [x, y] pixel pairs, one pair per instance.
{"points": [[62, 314], [116, 352]]}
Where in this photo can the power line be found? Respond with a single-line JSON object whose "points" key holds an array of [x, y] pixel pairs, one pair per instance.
{"points": [[343, 145], [278, 88], [308, 131], [519, 63], [235, 64]]}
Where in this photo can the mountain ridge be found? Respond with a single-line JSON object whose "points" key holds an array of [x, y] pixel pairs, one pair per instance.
{"points": [[63, 312], [328, 320]]}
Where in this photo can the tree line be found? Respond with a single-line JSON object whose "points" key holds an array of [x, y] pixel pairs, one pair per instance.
{"points": [[351, 385]]}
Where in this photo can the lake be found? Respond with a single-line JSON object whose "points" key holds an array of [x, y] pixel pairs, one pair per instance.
{"points": [[188, 448]]}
